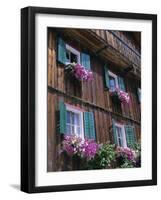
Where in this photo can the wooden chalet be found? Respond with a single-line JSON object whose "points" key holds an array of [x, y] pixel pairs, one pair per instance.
{"points": [[86, 108]]}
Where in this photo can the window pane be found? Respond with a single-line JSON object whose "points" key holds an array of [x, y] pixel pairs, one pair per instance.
{"points": [[68, 117], [72, 130], [76, 119], [73, 123], [78, 130], [68, 129], [72, 118], [73, 58], [119, 136], [68, 56], [119, 142], [112, 83]]}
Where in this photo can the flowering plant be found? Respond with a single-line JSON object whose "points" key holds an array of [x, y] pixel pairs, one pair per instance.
{"points": [[123, 96], [99, 156], [84, 148], [104, 158], [126, 152], [125, 157], [79, 72]]}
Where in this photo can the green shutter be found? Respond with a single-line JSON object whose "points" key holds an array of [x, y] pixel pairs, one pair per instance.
{"points": [[106, 76], [86, 125], [114, 131], [89, 125], [63, 117], [130, 135], [92, 126], [139, 95], [61, 51], [85, 60], [121, 83]]}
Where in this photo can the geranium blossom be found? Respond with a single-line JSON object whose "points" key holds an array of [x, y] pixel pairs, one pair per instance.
{"points": [[127, 152], [123, 96], [84, 148], [80, 72], [89, 149]]}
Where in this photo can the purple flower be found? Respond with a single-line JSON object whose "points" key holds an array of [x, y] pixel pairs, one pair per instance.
{"points": [[81, 73], [75, 145], [89, 149], [123, 96], [126, 152]]}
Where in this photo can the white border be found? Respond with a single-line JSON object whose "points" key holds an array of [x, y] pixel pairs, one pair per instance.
{"points": [[61, 178]]}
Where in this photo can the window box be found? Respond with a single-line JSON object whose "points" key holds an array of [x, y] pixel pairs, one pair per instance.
{"points": [[119, 95], [78, 72]]}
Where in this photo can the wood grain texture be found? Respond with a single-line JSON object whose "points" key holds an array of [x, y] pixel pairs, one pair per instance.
{"points": [[94, 93]]}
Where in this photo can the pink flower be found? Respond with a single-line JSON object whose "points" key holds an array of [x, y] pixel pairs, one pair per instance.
{"points": [[84, 148], [81, 73], [127, 152], [123, 96]]}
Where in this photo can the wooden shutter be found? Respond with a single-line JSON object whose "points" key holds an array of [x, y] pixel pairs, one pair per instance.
{"points": [[130, 135], [121, 83], [106, 76], [89, 125], [114, 131], [85, 60], [61, 51], [63, 117]]}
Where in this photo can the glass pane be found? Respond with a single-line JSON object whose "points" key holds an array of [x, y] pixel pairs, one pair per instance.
{"points": [[120, 142], [68, 129], [72, 118], [112, 83], [119, 136], [67, 56], [73, 58], [72, 129], [68, 117], [76, 119], [78, 130]]}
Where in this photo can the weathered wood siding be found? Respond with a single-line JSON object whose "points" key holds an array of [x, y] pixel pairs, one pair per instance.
{"points": [[93, 93], [123, 44]]}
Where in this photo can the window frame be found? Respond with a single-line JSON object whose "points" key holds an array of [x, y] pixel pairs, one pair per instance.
{"points": [[123, 134], [115, 77], [74, 51], [73, 109]]}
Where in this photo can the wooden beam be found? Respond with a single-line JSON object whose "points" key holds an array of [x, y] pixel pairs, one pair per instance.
{"points": [[87, 103]]}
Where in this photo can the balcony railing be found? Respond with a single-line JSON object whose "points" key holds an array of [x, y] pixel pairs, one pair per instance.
{"points": [[109, 46], [121, 46]]}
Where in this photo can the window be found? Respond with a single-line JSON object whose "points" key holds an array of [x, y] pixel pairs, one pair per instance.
{"points": [[72, 55], [74, 122], [124, 135], [113, 82], [67, 54], [120, 135]]}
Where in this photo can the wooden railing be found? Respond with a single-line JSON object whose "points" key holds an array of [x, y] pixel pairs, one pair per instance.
{"points": [[121, 45]]}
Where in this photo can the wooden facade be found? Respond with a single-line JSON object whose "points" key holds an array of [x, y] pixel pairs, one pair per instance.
{"points": [[117, 49]]}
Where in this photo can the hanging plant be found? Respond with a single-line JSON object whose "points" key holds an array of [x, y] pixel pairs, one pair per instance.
{"points": [[79, 72]]}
